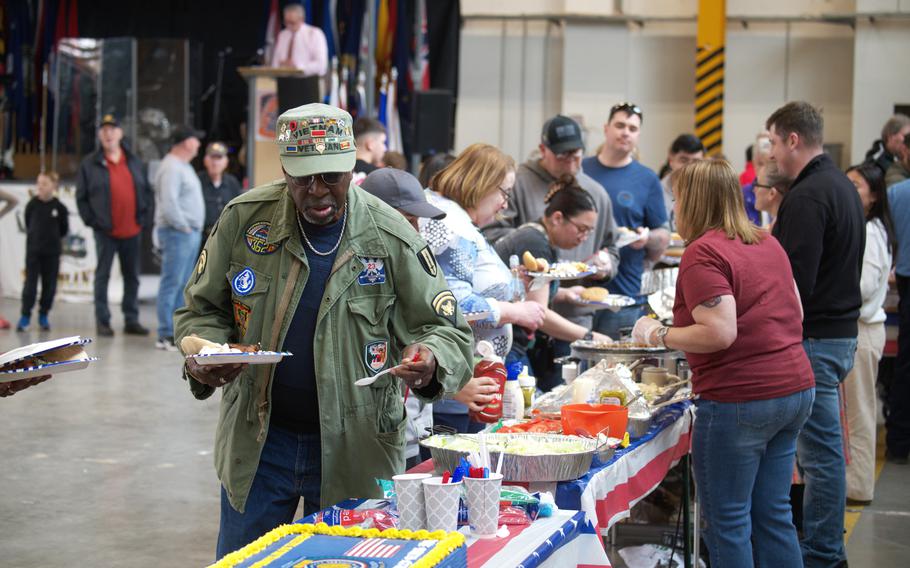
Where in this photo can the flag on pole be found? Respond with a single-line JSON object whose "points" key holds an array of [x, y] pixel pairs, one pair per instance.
{"points": [[383, 96], [393, 123], [331, 97], [360, 106], [271, 31], [343, 89]]}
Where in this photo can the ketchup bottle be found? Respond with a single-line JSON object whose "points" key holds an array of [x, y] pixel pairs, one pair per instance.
{"points": [[490, 366]]}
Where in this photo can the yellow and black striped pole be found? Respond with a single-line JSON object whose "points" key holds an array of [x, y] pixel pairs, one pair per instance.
{"points": [[709, 74]]}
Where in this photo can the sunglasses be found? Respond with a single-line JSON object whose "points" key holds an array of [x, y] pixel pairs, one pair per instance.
{"points": [[628, 108], [330, 179]]}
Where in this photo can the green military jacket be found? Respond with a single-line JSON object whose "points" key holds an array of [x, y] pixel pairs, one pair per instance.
{"points": [[385, 291]]}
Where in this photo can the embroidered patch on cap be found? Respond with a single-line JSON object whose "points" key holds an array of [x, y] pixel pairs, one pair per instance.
{"points": [[446, 306], [241, 317], [244, 282], [257, 237], [428, 261], [373, 272], [375, 355]]}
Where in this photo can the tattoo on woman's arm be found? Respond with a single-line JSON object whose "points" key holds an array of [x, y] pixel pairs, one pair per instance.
{"points": [[710, 303]]}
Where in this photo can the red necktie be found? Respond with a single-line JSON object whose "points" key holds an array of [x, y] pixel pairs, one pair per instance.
{"points": [[290, 56]]}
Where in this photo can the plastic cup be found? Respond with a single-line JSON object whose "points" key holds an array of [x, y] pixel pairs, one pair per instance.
{"points": [[411, 508], [441, 504], [483, 504]]}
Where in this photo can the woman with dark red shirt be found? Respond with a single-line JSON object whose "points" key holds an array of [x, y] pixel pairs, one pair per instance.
{"points": [[738, 318]]}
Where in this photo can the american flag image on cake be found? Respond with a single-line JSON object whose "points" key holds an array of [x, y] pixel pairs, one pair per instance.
{"points": [[373, 548]]}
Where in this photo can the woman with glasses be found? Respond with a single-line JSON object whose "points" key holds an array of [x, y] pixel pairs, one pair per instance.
{"points": [[769, 188], [859, 386], [568, 220], [472, 190], [738, 318]]}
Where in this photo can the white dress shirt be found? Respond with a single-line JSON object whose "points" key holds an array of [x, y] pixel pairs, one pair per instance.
{"points": [[310, 52]]}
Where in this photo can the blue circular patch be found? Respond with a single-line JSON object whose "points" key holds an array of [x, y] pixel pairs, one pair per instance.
{"points": [[244, 282], [625, 199]]}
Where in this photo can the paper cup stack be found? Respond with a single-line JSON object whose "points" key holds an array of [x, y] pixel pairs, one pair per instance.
{"points": [[441, 504], [483, 504], [411, 503]]}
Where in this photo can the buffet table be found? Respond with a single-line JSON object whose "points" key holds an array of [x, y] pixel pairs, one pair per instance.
{"points": [[610, 489], [565, 539]]}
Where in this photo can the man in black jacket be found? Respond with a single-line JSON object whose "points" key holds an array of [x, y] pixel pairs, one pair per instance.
{"points": [[822, 227], [113, 196]]}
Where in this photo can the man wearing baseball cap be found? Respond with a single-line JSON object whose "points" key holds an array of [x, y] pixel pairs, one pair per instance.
{"points": [[315, 266], [561, 149], [218, 186], [179, 216], [114, 199]]}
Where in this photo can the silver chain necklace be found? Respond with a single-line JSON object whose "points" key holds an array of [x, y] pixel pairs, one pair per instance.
{"points": [[344, 220]]}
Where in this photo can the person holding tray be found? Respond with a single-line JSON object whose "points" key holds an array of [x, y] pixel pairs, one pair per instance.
{"points": [[568, 220], [738, 319]]}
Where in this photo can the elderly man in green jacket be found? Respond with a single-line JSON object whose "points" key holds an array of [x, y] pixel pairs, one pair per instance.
{"points": [[316, 266]]}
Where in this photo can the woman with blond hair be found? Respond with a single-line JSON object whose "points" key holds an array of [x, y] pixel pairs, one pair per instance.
{"points": [[738, 318], [472, 191]]}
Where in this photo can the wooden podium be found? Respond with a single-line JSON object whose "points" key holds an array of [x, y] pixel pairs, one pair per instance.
{"points": [[262, 164]]}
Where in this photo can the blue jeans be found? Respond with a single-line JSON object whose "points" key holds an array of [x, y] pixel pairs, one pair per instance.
{"points": [[290, 467], [743, 455], [610, 323], [821, 454], [179, 251]]}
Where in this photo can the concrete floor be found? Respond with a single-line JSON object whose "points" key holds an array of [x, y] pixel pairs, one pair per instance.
{"points": [[113, 465]]}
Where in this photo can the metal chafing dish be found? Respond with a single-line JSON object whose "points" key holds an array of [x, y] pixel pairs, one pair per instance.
{"points": [[589, 353]]}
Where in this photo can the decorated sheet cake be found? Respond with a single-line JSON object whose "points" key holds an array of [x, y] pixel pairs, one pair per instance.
{"points": [[322, 546]]}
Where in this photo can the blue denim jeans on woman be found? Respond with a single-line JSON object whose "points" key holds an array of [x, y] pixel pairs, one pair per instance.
{"points": [[290, 467], [743, 455], [179, 252], [821, 455]]}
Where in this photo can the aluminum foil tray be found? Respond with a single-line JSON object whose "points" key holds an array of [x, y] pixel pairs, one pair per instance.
{"points": [[554, 467]]}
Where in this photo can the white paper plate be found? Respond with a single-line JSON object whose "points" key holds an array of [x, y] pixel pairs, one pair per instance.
{"points": [[34, 349], [48, 369], [549, 276], [476, 316], [255, 358], [613, 302]]}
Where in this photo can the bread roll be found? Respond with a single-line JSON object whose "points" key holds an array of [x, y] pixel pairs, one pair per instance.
{"points": [[191, 345], [529, 261], [542, 265], [595, 294]]}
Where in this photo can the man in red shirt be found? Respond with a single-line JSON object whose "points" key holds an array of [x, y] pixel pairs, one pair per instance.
{"points": [[113, 196]]}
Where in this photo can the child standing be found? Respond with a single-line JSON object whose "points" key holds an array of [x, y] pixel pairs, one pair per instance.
{"points": [[46, 223]]}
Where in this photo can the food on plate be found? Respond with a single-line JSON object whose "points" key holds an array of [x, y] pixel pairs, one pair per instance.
{"points": [[542, 265], [650, 392], [194, 345], [529, 261], [626, 231], [595, 294]]}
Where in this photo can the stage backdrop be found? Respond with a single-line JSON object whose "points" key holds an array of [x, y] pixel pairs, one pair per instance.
{"points": [[77, 265]]}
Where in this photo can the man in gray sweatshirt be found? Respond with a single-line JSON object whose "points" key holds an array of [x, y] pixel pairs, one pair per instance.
{"points": [[179, 217], [561, 150]]}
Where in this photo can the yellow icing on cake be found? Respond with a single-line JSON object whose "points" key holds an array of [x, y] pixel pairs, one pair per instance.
{"points": [[281, 551], [448, 542]]}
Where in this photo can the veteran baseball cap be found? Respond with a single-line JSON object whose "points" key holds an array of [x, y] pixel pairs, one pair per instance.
{"points": [[402, 191], [562, 134], [216, 149], [314, 139], [109, 120]]}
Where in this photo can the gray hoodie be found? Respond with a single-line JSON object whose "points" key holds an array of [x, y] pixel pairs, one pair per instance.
{"points": [[532, 183]]}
